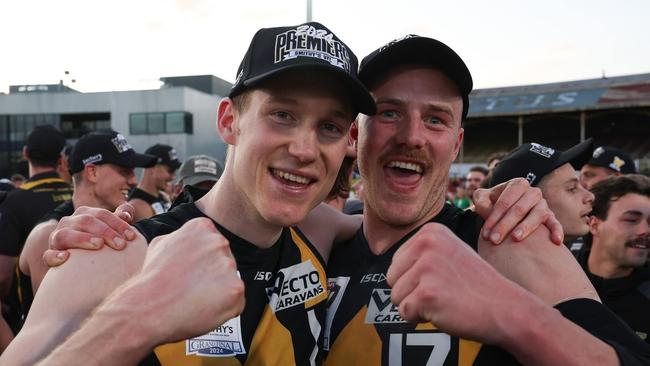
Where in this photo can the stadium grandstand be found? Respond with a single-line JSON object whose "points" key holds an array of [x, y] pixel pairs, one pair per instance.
{"points": [[614, 111]]}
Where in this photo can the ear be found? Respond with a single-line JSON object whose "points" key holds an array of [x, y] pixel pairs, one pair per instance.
{"points": [[25, 154], [594, 225], [227, 121], [353, 135], [90, 173], [459, 142]]}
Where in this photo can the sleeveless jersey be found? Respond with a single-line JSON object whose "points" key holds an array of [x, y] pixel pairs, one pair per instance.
{"points": [[363, 327], [158, 204], [286, 293]]}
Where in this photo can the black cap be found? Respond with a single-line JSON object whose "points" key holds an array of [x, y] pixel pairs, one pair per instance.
{"points": [[106, 148], [305, 46], [45, 143], [533, 161], [165, 155], [413, 49], [614, 159]]}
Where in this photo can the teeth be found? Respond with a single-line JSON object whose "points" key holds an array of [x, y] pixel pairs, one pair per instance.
{"points": [[290, 177], [407, 166]]}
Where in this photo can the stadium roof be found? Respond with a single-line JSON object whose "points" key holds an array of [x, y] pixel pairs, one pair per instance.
{"points": [[582, 95]]}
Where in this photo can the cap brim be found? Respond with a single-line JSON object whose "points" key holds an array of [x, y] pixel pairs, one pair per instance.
{"points": [[419, 50], [174, 164], [137, 160], [577, 156], [198, 178], [362, 100]]}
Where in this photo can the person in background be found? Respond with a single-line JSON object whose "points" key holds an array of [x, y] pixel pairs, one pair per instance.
{"points": [[474, 179], [17, 179], [604, 162], [147, 198], [197, 174], [63, 169], [616, 250], [24, 206]]}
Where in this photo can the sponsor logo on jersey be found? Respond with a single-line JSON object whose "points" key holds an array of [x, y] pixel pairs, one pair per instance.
{"points": [[373, 277], [381, 310], [307, 41], [224, 341], [336, 288], [294, 286], [262, 276]]}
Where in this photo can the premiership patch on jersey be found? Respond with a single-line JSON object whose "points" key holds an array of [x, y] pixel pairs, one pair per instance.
{"points": [[381, 310], [307, 41], [294, 286], [336, 288], [225, 341]]}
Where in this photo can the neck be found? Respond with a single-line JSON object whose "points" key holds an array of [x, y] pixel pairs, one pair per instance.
{"points": [[225, 204], [148, 184], [33, 170], [382, 236], [601, 265]]}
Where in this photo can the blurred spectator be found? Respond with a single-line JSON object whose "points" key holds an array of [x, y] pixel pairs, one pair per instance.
{"points": [[461, 200], [553, 171], [23, 207], [147, 197], [617, 248], [494, 159], [606, 161], [63, 169], [474, 178], [18, 180], [195, 177]]}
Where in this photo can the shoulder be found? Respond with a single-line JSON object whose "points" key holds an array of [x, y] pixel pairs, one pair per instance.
{"points": [[37, 242], [167, 222]]}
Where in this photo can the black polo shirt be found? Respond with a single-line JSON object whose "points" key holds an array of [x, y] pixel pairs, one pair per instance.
{"points": [[23, 207]]}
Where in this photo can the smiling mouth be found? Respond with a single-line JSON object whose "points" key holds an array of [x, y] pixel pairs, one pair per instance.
{"points": [[291, 179], [405, 167]]}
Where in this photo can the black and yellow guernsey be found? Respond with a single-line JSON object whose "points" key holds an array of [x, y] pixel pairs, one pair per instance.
{"points": [[364, 328], [286, 296]]}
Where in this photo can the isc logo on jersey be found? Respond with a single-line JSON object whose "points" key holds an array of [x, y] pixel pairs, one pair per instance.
{"points": [[295, 285], [381, 310]]}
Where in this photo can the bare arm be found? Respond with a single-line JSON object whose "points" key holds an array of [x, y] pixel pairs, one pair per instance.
{"points": [[172, 298], [31, 259], [325, 225], [7, 266], [64, 301]]}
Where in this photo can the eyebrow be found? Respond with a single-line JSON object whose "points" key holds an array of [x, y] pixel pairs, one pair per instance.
{"points": [[284, 100], [436, 107], [633, 213]]}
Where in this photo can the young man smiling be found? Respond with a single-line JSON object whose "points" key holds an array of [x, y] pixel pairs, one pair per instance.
{"points": [[286, 119]]}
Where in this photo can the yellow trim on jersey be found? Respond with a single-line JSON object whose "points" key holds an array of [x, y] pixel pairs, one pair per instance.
{"points": [[30, 185], [426, 326], [467, 352], [269, 346], [356, 337], [306, 253], [173, 354]]}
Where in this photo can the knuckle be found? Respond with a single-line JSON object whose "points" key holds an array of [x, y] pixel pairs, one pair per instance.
{"points": [[520, 210], [519, 181]]}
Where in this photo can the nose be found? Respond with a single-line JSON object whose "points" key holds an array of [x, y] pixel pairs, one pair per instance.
{"points": [[589, 197], [304, 145], [410, 132]]}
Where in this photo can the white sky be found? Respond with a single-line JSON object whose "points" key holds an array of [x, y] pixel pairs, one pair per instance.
{"points": [[129, 44]]}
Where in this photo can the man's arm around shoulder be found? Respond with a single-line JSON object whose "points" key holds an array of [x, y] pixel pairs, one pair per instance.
{"points": [[67, 295]]}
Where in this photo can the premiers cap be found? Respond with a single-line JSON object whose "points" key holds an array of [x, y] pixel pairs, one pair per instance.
{"points": [[46, 143], [106, 148], [614, 159], [165, 155], [306, 46], [199, 168], [533, 161], [413, 49]]}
